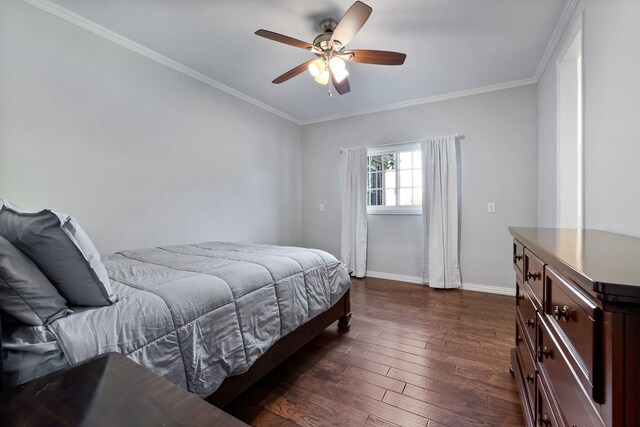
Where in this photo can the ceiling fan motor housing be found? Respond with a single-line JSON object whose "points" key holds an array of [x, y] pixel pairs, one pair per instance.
{"points": [[323, 41]]}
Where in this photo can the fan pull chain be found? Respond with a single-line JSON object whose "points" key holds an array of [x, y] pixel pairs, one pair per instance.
{"points": [[330, 93]]}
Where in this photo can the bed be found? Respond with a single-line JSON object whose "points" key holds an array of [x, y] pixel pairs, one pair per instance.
{"points": [[211, 317]]}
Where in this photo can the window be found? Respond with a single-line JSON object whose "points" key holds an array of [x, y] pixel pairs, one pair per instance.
{"points": [[394, 179]]}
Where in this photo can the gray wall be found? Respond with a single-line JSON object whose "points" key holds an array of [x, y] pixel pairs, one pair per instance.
{"points": [[498, 164], [141, 154], [611, 112]]}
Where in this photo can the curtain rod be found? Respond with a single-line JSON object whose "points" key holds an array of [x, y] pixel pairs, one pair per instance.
{"points": [[457, 136]]}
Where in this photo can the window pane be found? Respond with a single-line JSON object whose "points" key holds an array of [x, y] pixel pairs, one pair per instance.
{"points": [[405, 160], [389, 162], [390, 180], [417, 177], [375, 163], [417, 196], [405, 179], [405, 196], [417, 159], [375, 198], [375, 180], [390, 197]]}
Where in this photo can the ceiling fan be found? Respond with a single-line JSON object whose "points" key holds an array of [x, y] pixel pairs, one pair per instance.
{"points": [[329, 47]]}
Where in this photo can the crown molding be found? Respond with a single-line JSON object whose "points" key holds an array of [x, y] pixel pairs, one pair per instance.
{"points": [[82, 22], [429, 100], [558, 32], [112, 36]]}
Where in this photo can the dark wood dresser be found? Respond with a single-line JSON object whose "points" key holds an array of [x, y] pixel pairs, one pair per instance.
{"points": [[577, 352]]}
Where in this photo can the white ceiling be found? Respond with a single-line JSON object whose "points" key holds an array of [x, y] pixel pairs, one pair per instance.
{"points": [[451, 45]]}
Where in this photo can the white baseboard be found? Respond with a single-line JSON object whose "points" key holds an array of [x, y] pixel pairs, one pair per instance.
{"points": [[391, 276], [474, 287], [489, 289]]}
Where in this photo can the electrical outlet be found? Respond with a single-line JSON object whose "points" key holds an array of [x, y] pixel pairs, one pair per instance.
{"points": [[491, 207], [321, 207]]}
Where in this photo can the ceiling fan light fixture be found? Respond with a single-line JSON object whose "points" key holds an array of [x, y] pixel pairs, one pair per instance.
{"points": [[336, 63], [316, 68], [323, 78], [338, 69]]}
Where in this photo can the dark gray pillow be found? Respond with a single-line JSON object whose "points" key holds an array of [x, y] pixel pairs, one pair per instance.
{"points": [[62, 251], [25, 293]]}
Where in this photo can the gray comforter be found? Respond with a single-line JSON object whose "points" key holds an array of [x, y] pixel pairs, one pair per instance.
{"points": [[194, 314]]}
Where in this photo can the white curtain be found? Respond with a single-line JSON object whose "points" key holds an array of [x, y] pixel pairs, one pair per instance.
{"points": [[440, 263], [353, 248]]}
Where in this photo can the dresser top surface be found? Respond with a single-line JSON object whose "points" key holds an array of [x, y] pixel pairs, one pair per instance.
{"points": [[610, 261], [107, 390]]}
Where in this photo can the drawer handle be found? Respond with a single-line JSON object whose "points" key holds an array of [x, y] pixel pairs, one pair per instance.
{"points": [[517, 258], [563, 313], [531, 323], [531, 378], [544, 421], [518, 340], [520, 297], [543, 353], [534, 276]]}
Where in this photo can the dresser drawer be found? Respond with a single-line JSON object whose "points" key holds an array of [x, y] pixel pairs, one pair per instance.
{"points": [[545, 415], [576, 405], [533, 275], [518, 258], [526, 311], [528, 366], [578, 318]]}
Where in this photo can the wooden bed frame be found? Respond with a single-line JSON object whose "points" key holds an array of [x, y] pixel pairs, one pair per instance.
{"points": [[232, 387], [277, 353]]}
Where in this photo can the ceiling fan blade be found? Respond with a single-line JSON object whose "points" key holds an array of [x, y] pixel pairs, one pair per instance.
{"points": [[380, 57], [284, 39], [342, 87], [292, 72], [351, 23]]}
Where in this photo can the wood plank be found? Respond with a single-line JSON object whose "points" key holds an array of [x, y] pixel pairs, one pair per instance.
{"points": [[435, 383], [306, 408], [379, 380], [417, 368], [364, 383], [379, 422], [360, 362], [463, 397], [414, 359], [259, 417]]}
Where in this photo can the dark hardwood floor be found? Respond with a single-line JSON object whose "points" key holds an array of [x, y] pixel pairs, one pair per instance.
{"points": [[414, 356]]}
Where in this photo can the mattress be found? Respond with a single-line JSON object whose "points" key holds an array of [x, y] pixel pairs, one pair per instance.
{"points": [[195, 314]]}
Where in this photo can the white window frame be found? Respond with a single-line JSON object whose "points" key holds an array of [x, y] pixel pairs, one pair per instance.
{"points": [[386, 149]]}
